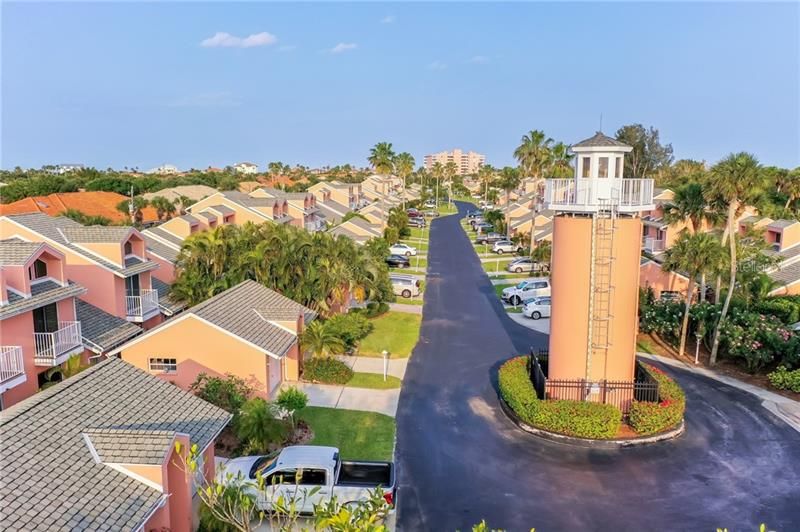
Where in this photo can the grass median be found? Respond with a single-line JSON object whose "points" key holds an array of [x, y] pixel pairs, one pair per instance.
{"points": [[358, 435]]}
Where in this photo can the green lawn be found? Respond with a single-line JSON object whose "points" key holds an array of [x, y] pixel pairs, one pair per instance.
{"points": [[421, 246], [511, 276], [644, 346], [374, 380], [446, 208], [397, 332], [496, 265], [417, 232], [498, 288], [512, 310], [408, 271], [358, 435]]}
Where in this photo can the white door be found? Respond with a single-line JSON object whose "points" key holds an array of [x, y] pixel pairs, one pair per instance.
{"points": [[275, 373]]}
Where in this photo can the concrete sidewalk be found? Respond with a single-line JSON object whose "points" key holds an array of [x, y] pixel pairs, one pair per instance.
{"points": [[409, 309], [541, 325], [397, 366], [783, 407], [346, 397]]}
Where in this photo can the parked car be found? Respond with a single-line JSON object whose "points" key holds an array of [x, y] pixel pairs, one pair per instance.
{"points": [[526, 264], [413, 213], [319, 467], [474, 214], [402, 249], [417, 222], [527, 289], [431, 213], [482, 227], [489, 238], [405, 286], [505, 246], [398, 261], [537, 307], [430, 204]]}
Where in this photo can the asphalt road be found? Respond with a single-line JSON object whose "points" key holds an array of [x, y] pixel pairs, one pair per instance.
{"points": [[461, 460]]}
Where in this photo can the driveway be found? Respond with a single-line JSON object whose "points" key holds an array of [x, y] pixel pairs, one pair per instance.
{"points": [[460, 460]]}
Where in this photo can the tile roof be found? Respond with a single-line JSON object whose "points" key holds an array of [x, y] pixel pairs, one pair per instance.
{"points": [[193, 192], [56, 230], [787, 274], [599, 140], [90, 203], [244, 310], [101, 331], [168, 304], [51, 480], [16, 252], [341, 230], [166, 252], [163, 234], [209, 217], [96, 233], [781, 224], [247, 201], [363, 224], [131, 446], [42, 293], [222, 209]]}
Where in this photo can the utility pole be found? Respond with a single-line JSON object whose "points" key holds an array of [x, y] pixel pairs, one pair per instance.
{"points": [[131, 210]]}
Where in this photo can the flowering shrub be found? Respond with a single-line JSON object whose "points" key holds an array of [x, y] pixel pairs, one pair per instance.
{"points": [[783, 379], [327, 370], [651, 418], [662, 318], [573, 418]]}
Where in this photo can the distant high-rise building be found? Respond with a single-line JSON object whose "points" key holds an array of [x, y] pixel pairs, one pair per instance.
{"points": [[466, 162]]}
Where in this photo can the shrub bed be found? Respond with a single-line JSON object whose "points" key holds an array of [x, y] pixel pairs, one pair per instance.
{"points": [[651, 418], [571, 418], [327, 370], [783, 379]]}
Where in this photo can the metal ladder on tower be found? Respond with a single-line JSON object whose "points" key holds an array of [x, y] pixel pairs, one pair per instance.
{"points": [[601, 289]]}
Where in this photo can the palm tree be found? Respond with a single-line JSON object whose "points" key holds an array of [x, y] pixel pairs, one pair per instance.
{"points": [[382, 158], [791, 187], [404, 165], [509, 180], [259, 427], [486, 174], [450, 171], [734, 182], [274, 169], [438, 173], [688, 204], [163, 207], [533, 153], [693, 254], [320, 341], [183, 202], [561, 161]]}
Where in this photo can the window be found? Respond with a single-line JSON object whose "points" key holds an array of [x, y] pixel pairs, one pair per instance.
{"points": [[312, 477], [38, 270], [540, 285], [128, 248], [163, 364], [586, 165], [132, 285], [602, 170], [618, 168], [45, 319], [286, 476]]}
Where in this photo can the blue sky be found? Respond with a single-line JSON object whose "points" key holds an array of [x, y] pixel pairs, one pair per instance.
{"points": [[131, 84]]}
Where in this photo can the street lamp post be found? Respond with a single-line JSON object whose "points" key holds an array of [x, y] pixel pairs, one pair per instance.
{"points": [[385, 354]]}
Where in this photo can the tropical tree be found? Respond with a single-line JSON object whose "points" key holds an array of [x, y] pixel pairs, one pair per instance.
{"points": [[381, 157], [533, 153], [648, 154], [259, 427], [486, 175], [274, 169], [320, 340], [791, 187], [404, 166], [508, 180], [560, 161], [692, 254], [438, 173], [734, 182], [183, 203], [688, 204], [163, 207], [133, 207]]}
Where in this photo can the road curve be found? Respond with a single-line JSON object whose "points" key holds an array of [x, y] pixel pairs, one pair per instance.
{"points": [[460, 460]]}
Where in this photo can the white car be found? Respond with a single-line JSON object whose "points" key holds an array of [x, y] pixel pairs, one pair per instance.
{"points": [[527, 289], [405, 286], [505, 246], [537, 307], [402, 249]]}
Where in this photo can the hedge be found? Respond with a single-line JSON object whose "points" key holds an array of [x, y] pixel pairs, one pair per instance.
{"points": [[650, 418], [582, 419], [783, 379], [327, 370]]}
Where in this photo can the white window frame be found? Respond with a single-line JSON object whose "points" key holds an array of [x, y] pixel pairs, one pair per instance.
{"points": [[163, 365]]}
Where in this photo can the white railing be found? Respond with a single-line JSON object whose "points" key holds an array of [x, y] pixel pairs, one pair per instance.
{"points": [[49, 346], [590, 194], [143, 304], [652, 245], [10, 362]]}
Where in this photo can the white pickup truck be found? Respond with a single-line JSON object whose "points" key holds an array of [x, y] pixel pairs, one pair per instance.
{"points": [[318, 467]]}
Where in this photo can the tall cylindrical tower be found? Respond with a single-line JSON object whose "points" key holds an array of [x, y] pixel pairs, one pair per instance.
{"points": [[595, 264]]}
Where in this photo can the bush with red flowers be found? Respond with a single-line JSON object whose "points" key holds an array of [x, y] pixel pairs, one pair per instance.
{"points": [[652, 418]]}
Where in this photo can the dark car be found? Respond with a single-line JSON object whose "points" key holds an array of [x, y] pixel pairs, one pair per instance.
{"points": [[417, 222], [413, 213], [398, 261], [474, 214], [489, 238]]}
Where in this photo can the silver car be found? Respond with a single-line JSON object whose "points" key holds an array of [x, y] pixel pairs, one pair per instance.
{"points": [[405, 286], [505, 246], [526, 264]]}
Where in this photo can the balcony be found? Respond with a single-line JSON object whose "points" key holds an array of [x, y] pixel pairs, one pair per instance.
{"points": [[651, 245], [596, 194], [142, 306], [53, 348], [12, 370]]}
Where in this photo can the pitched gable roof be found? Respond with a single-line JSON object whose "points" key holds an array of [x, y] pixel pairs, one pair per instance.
{"points": [[62, 486], [599, 140], [101, 331], [16, 252]]}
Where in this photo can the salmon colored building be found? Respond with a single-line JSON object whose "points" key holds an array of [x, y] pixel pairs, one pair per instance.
{"points": [[98, 452], [248, 331], [39, 328], [595, 266]]}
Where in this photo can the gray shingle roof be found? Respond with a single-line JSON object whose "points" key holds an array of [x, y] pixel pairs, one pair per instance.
{"points": [[244, 310], [16, 252], [247, 201], [208, 216], [599, 140], [161, 249], [96, 233], [222, 209], [165, 235], [787, 274], [51, 480], [341, 230], [189, 218], [42, 293], [102, 331], [363, 224], [166, 303], [57, 229], [781, 224], [334, 206], [131, 446]]}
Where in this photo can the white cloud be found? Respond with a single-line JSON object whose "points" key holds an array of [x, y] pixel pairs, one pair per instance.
{"points": [[287, 48], [222, 39], [437, 65], [208, 99], [343, 47], [388, 19], [479, 59]]}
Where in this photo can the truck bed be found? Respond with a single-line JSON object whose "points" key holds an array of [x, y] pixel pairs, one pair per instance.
{"points": [[366, 474]]}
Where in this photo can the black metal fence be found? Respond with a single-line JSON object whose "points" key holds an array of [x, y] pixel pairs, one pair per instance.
{"points": [[618, 393]]}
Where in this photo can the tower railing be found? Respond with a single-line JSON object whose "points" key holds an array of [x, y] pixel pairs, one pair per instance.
{"points": [[589, 194]]}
